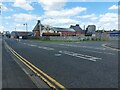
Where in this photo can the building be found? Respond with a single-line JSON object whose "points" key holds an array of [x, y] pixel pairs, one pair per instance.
{"points": [[17, 34], [46, 30], [7, 34], [90, 30], [37, 28], [78, 29], [64, 31]]}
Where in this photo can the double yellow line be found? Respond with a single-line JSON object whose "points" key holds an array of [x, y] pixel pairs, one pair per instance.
{"points": [[46, 78]]}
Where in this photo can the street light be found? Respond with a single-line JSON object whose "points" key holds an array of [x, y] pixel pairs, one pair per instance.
{"points": [[26, 26], [99, 27], [15, 28]]}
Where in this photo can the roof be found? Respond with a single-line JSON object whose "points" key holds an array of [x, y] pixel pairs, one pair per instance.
{"points": [[37, 26], [76, 28], [63, 29], [91, 25]]}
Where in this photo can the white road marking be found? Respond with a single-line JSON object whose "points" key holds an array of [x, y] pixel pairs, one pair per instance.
{"points": [[46, 48], [100, 52], [91, 58], [31, 45], [82, 46], [24, 43], [57, 54], [41, 47]]}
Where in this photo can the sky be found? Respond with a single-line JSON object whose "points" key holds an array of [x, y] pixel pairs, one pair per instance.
{"points": [[58, 13]]}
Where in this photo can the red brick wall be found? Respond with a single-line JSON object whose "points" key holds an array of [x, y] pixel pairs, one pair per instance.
{"points": [[68, 33], [78, 33], [36, 33]]}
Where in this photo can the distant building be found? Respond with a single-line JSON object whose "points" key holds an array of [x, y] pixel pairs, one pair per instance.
{"points": [[46, 30], [23, 34], [37, 28], [64, 31], [78, 29], [7, 34], [114, 34], [90, 30]]}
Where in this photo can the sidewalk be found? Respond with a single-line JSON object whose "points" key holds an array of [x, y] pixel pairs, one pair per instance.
{"points": [[0, 62], [114, 44]]}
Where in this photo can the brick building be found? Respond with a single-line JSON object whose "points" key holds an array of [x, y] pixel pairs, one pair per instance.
{"points": [[42, 30], [78, 30]]}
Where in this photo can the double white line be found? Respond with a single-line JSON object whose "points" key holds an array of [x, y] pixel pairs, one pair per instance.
{"points": [[87, 57], [41, 47]]}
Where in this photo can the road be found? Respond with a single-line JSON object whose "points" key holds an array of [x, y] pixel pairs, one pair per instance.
{"points": [[74, 65]]}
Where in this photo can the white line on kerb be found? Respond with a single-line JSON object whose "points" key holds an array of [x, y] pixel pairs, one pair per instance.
{"points": [[91, 58]]}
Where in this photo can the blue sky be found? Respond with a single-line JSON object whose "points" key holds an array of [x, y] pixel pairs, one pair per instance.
{"points": [[58, 14]]}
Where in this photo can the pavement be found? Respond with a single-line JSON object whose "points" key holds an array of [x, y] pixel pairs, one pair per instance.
{"points": [[74, 65], [0, 62], [115, 44]]}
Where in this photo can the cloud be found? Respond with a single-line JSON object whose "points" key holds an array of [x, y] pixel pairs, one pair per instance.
{"points": [[113, 7], [109, 17], [55, 13], [7, 17], [2, 28], [59, 22], [90, 16], [23, 4], [108, 21], [52, 4], [64, 12], [55, 8], [19, 25], [25, 17], [4, 8]]}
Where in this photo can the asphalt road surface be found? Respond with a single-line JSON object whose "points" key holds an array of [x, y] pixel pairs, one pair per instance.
{"points": [[74, 65]]}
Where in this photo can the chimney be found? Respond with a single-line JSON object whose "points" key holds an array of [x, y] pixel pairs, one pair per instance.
{"points": [[38, 21], [77, 24]]}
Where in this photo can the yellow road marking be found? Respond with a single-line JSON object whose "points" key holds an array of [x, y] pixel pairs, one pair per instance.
{"points": [[35, 71], [26, 62]]}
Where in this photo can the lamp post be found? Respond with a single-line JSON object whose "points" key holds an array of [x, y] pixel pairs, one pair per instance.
{"points": [[26, 25], [99, 27], [15, 28]]}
